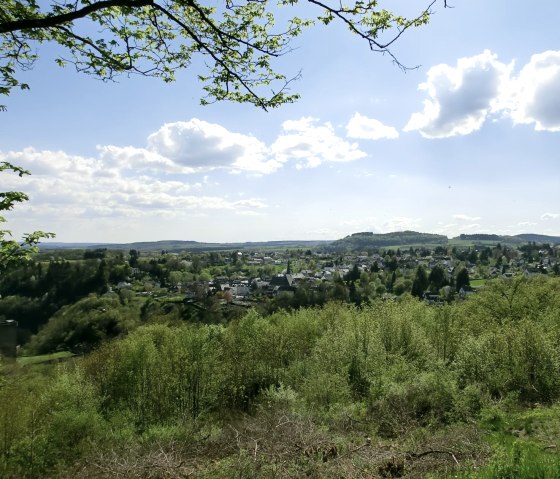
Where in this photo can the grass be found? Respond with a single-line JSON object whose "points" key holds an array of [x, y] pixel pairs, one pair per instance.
{"points": [[518, 461], [29, 360], [525, 445]]}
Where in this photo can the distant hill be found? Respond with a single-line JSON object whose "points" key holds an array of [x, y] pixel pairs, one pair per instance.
{"points": [[481, 237], [511, 240], [355, 242], [539, 238], [177, 245], [365, 241]]}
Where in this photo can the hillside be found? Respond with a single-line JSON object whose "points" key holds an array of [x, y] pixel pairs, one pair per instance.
{"points": [[354, 242], [178, 245], [367, 240], [480, 238], [538, 238]]}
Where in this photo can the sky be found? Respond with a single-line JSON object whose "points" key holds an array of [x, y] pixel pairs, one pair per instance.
{"points": [[466, 143]]}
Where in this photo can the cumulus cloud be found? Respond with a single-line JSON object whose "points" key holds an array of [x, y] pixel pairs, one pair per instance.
{"points": [[535, 93], [138, 159], [362, 127], [526, 223], [310, 144], [460, 97], [193, 146], [152, 180], [402, 223], [550, 216], [77, 186], [205, 146], [199, 146], [461, 217]]}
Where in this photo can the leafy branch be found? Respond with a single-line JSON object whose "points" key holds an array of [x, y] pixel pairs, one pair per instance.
{"points": [[158, 37], [12, 251]]}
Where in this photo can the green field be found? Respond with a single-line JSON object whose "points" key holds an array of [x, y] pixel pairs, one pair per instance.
{"points": [[477, 283], [28, 360]]}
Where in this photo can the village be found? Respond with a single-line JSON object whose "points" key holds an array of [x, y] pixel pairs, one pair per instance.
{"points": [[244, 278]]}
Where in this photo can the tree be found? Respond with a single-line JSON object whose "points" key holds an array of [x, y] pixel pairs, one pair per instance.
{"points": [[237, 41], [420, 283], [463, 280], [12, 251], [437, 278]]}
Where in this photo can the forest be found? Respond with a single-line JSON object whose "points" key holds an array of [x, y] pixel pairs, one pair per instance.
{"points": [[393, 388]]}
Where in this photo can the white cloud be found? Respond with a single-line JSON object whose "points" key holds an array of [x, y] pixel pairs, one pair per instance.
{"points": [[205, 146], [472, 227], [199, 146], [362, 127], [526, 223], [402, 223], [310, 145], [550, 216], [248, 213], [461, 97], [150, 182], [356, 224], [69, 186], [535, 93], [461, 217], [133, 158]]}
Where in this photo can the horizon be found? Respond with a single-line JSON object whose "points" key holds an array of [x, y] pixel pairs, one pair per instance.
{"points": [[103, 243]]}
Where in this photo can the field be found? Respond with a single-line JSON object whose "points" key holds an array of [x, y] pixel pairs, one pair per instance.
{"points": [[44, 358]]}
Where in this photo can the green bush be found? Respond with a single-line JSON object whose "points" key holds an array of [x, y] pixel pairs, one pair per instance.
{"points": [[427, 398]]}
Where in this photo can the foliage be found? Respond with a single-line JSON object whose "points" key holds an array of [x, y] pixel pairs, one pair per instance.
{"points": [[158, 374], [519, 461], [462, 281], [420, 283], [32, 292], [369, 241], [82, 326], [237, 41], [295, 393], [11, 251], [30, 360]]}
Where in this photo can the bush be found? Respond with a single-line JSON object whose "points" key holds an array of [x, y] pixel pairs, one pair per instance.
{"points": [[428, 398]]}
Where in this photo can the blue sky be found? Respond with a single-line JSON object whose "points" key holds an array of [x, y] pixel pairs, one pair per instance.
{"points": [[466, 143]]}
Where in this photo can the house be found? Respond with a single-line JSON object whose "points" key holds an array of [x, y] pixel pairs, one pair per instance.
{"points": [[281, 283], [282, 280]]}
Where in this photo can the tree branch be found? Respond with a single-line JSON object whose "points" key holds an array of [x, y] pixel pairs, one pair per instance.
{"points": [[373, 43], [112, 62], [209, 51], [56, 20]]}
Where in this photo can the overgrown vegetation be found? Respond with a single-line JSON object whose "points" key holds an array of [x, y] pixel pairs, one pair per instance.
{"points": [[393, 389]]}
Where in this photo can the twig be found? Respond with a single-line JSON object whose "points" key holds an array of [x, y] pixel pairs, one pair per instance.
{"points": [[417, 455]]}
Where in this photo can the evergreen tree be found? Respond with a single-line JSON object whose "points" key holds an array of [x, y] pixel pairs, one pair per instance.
{"points": [[437, 278], [420, 283], [463, 280]]}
